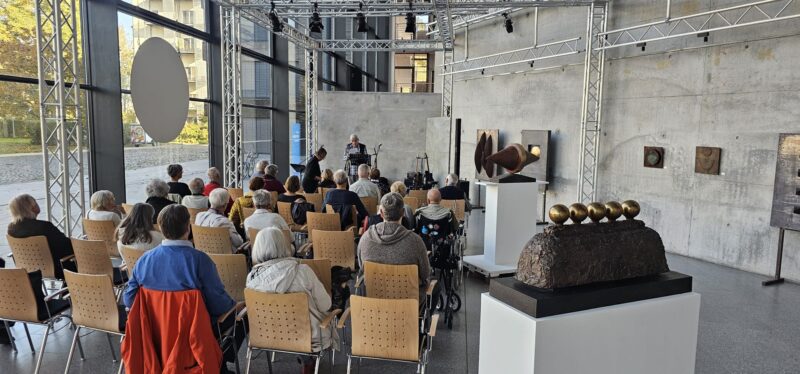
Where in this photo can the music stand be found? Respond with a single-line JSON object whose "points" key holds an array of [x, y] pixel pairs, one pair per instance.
{"points": [[300, 168]]}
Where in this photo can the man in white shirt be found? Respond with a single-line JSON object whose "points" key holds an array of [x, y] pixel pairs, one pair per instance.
{"points": [[215, 217], [363, 186], [262, 217]]}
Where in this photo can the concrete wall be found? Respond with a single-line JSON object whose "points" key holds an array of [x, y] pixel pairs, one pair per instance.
{"points": [[398, 121], [737, 92]]}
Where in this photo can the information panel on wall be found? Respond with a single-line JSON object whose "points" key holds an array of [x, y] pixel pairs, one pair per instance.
{"points": [[786, 199]]}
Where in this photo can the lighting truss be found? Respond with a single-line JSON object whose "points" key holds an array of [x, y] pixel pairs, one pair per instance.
{"points": [[591, 108], [463, 21], [715, 20], [60, 112], [447, 87], [231, 98], [523, 55], [444, 19], [420, 45], [311, 60]]}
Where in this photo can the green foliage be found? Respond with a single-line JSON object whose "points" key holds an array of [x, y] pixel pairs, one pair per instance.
{"points": [[193, 133]]}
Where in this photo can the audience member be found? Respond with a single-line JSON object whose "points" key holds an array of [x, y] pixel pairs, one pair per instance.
{"points": [[434, 211], [292, 186], [451, 190], [237, 213], [259, 171], [327, 179], [213, 217], [24, 209], [262, 217], [196, 200], [104, 208], [342, 200], [214, 181], [312, 175], [157, 191], [410, 222], [271, 182], [363, 186], [137, 229], [376, 178], [175, 172]]}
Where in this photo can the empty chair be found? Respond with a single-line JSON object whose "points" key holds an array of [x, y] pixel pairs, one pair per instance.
{"points": [[235, 193], [336, 246], [232, 270], [457, 206], [212, 239], [322, 268], [421, 195], [316, 199], [412, 202], [322, 221], [94, 307], [102, 230], [130, 255], [91, 259], [371, 204]]}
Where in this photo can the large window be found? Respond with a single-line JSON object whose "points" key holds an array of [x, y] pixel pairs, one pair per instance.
{"points": [[188, 12]]}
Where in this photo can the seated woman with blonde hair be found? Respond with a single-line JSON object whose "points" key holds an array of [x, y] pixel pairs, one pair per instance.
{"points": [[104, 208], [24, 209]]}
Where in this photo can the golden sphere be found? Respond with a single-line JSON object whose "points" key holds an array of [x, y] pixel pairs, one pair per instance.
{"points": [[559, 214], [613, 210], [578, 213], [597, 211], [630, 209]]}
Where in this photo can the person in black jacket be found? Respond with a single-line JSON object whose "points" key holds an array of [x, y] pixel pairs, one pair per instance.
{"points": [[313, 175], [342, 198], [157, 191], [24, 224], [175, 172]]}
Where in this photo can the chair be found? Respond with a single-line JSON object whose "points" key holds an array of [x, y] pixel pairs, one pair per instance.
{"points": [[316, 199], [457, 206], [322, 268], [322, 221], [18, 303], [391, 281], [130, 256], [127, 208], [193, 212], [102, 230], [385, 329], [246, 213], [91, 258], [281, 323], [412, 202], [336, 246], [252, 232], [324, 192], [371, 204], [232, 270], [421, 195], [235, 193], [33, 253], [353, 218], [94, 307], [212, 239], [273, 195], [285, 211]]}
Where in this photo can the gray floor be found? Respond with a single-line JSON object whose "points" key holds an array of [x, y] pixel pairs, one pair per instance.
{"points": [[744, 328]]}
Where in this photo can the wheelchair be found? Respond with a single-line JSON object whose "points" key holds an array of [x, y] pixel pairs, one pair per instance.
{"points": [[442, 242]]}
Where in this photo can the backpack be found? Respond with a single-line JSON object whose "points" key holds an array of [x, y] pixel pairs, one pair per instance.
{"points": [[299, 211]]}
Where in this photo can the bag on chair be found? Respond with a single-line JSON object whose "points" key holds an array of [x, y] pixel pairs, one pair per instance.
{"points": [[299, 210]]}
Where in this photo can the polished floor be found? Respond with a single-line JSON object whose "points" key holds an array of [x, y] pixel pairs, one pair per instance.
{"points": [[744, 328]]}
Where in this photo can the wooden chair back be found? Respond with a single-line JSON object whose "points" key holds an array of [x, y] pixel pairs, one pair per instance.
{"points": [[457, 206], [130, 255], [278, 321], [371, 204], [285, 211], [324, 192], [212, 239], [316, 199], [93, 302], [232, 270], [193, 212], [336, 246], [412, 202], [322, 268], [32, 253], [391, 281], [273, 195], [253, 232], [353, 217], [17, 302], [127, 208], [235, 193], [323, 222], [386, 329], [91, 257], [102, 230], [247, 212], [421, 195]]}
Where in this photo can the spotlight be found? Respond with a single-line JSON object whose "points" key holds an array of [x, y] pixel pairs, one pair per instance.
{"points": [[509, 24], [362, 21], [411, 20], [315, 25], [277, 25]]}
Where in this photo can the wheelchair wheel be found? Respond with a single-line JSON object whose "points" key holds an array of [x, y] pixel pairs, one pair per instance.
{"points": [[455, 302]]}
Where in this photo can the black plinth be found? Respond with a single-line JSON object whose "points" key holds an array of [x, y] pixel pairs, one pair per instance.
{"points": [[544, 303]]}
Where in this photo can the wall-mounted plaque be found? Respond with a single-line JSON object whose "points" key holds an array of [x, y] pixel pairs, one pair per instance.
{"points": [[654, 157], [786, 198], [487, 145], [537, 142], [707, 160]]}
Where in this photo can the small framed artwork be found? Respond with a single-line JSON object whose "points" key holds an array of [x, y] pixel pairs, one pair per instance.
{"points": [[707, 160], [654, 157]]}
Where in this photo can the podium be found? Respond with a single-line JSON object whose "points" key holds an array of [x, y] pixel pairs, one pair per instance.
{"points": [[511, 211]]}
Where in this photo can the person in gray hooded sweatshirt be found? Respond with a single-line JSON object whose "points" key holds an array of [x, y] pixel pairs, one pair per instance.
{"points": [[390, 243]]}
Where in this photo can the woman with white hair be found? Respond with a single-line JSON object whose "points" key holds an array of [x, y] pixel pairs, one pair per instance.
{"points": [[24, 210], [104, 208], [262, 217], [157, 191], [271, 182], [259, 170], [275, 271], [214, 216], [196, 200]]}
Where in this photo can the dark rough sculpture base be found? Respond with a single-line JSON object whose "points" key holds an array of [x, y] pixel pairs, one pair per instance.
{"points": [[574, 255]]}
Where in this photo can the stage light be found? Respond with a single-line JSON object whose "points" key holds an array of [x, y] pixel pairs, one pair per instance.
{"points": [[411, 20], [316, 25], [277, 25], [361, 19], [508, 23]]}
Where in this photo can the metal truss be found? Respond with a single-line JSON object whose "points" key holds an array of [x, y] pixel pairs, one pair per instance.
{"points": [[60, 112], [349, 8], [232, 152], [311, 100], [523, 55], [591, 108], [722, 19], [421, 45], [444, 22], [463, 21], [447, 86]]}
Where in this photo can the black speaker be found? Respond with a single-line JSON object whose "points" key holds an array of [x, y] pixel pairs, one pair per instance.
{"points": [[457, 161]]}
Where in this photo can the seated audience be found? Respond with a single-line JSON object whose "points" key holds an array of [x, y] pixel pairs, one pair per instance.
{"points": [[237, 213], [157, 191], [104, 208], [260, 166], [451, 191], [389, 242], [275, 271], [262, 217], [434, 211], [176, 266], [312, 175], [271, 182], [327, 179], [214, 181], [410, 222], [376, 178], [363, 186], [196, 200], [213, 217], [292, 186], [175, 172], [343, 200], [24, 209], [137, 229]]}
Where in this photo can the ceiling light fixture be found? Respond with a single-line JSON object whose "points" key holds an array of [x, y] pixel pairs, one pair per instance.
{"points": [[361, 19], [316, 25], [508, 23], [277, 25], [411, 20]]}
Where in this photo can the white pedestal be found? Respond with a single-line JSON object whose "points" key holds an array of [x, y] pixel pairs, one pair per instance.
{"points": [[510, 221], [656, 336]]}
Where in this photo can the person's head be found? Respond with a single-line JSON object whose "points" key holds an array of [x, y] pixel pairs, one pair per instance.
{"points": [[451, 180], [103, 200], [434, 196], [269, 245], [392, 207], [157, 188], [256, 183], [398, 187], [138, 224], [262, 199], [175, 172], [196, 186], [272, 170], [321, 153], [340, 178], [354, 139], [292, 184], [218, 199], [363, 171], [261, 165], [214, 175], [174, 222], [375, 173], [327, 175], [24, 207]]}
